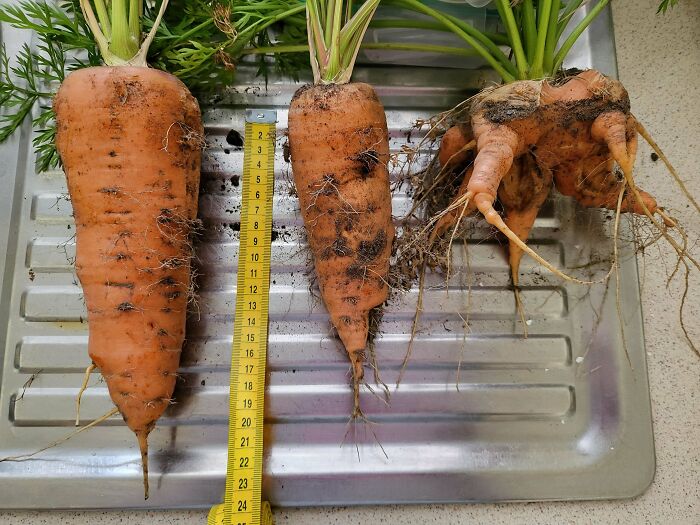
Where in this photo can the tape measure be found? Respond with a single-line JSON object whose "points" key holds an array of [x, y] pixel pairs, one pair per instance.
{"points": [[243, 503]]}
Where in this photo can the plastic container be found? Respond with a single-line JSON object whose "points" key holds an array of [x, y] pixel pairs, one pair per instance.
{"points": [[481, 18]]}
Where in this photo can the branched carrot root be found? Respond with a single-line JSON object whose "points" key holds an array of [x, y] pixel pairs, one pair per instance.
{"points": [[532, 134], [521, 139]]}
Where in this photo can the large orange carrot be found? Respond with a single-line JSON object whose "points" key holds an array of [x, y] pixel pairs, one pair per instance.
{"points": [[129, 138], [339, 146]]}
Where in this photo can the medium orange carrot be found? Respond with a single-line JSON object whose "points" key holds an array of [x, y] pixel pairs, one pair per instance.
{"points": [[339, 148]]}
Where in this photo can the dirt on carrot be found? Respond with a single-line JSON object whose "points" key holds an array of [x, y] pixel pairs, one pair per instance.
{"points": [[532, 135]]}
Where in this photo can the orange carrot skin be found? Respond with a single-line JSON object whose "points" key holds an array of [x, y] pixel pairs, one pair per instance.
{"points": [[522, 193], [340, 150], [125, 136], [452, 142], [574, 130], [566, 123]]}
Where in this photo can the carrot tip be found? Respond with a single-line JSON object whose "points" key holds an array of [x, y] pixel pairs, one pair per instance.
{"points": [[143, 446], [358, 373]]}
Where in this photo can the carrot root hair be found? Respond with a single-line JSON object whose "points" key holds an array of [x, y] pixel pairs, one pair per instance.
{"points": [[83, 387], [680, 250], [648, 138], [416, 322], [358, 373], [22, 457], [493, 218]]}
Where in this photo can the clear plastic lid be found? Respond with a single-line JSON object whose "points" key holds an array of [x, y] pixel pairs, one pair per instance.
{"points": [[479, 18], [473, 3]]}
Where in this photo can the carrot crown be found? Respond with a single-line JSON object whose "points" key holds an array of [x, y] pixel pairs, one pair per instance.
{"points": [[116, 26], [335, 35]]}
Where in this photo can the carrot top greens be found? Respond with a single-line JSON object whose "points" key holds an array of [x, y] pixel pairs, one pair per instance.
{"points": [[117, 28], [335, 36], [665, 4], [533, 29], [199, 41]]}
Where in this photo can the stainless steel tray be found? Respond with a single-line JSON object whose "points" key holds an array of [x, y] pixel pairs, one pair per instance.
{"points": [[558, 415]]}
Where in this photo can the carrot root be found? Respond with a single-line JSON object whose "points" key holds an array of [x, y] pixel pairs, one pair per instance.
{"points": [[338, 141], [493, 218], [528, 135], [358, 374], [83, 387], [414, 325], [530, 118], [130, 140]]}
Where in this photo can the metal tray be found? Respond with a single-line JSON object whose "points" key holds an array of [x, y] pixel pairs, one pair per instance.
{"points": [[560, 414]]}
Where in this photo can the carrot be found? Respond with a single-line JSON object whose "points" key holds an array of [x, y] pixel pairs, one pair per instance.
{"points": [[529, 133], [452, 144], [133, 178], [543, 128], [129, 138], [339, 148]]}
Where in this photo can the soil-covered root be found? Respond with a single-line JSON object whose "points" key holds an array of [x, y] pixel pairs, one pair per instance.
{"points": [[338, 141], [530, 134]]}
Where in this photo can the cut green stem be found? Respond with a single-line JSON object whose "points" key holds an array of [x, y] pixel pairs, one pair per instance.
{"points": [[335, 37], [543, 15], [529, 25], [496, 64], [125, 46], [135, 14], [567, 13], [487, 41], [123, 43], [551, 39], [399, 23], [576, 33], [516, 43], [103, 18]]}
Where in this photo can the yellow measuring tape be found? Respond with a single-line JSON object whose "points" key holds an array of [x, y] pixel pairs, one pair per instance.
{"points": [[243, 503]]}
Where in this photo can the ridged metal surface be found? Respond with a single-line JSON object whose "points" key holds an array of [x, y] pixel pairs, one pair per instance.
{"points": [[482, 413]]}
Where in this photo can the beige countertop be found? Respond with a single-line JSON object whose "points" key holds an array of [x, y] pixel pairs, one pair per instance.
{"points": [[659, 63]]}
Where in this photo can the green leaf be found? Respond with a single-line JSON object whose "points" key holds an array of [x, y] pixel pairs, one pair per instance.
{"points": [[663, 7], [199, 41]]}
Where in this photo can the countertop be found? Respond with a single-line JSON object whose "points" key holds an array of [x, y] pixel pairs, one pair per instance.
{"points": [[659, 59]]}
